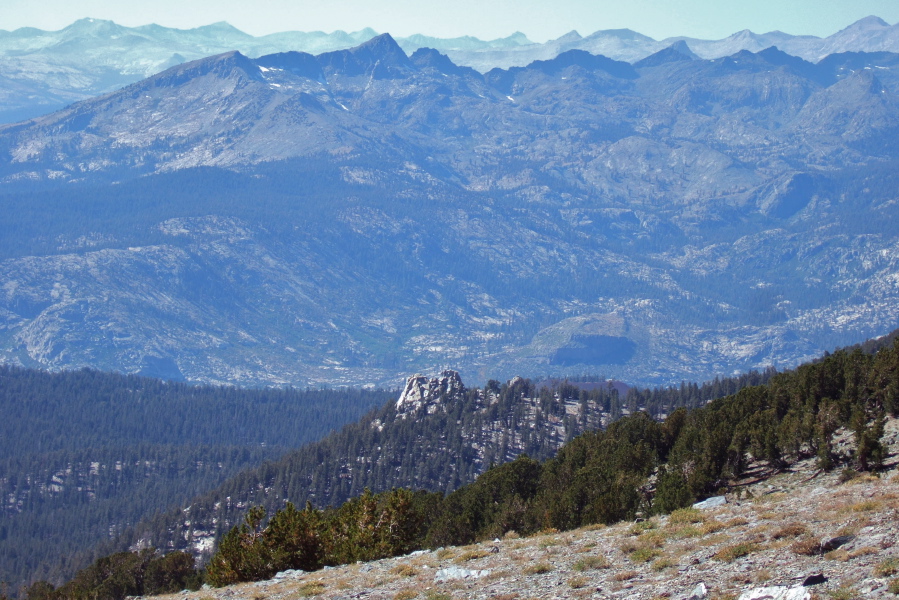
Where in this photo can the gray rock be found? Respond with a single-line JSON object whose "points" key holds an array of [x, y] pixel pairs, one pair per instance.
{"points": [[289, 574], [776, 592], [699, 592], [835, 542], [455, 573], [712, 502]]}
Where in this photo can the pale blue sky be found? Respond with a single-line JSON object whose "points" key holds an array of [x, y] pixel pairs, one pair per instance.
{"points": [[486, 19]]}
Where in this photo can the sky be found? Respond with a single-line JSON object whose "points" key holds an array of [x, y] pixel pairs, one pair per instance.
{"points": [[540, 20]]}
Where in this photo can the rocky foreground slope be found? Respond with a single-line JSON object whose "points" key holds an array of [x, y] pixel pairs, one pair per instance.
{"points": [[795, 534]]}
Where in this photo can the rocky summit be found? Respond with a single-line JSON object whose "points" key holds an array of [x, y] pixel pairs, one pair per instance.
{"points": [[355, 216], [793, 535]]}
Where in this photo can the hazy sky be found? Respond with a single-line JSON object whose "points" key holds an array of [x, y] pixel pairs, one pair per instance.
{"points": [[486, 19]]}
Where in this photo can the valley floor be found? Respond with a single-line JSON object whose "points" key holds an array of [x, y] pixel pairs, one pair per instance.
{"points": [[768, 537]]}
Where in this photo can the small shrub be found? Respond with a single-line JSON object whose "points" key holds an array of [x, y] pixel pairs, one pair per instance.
{"points": [[644, 554], [863, 551], [591, 562], [641, 527], [887, 568], [762, 575], [711, 527], [538, 568], [848, 474], [865, 506], [806, 547], [405, 570], [791, 530], [406, 594], [471, 555], [624, 575], [685, 516], [838, 554], [893, 586], [311, 588], [732, 553], [437, 595], [686, 532], [577, 583], [844, 592], [653, 538], [445, 553], [662, 564]]}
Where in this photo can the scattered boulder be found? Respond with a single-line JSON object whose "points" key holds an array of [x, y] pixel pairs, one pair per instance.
{"points": [[835, 542], [712, 502], [776, 592], [815, 579], [454, 573], [700, 592]]}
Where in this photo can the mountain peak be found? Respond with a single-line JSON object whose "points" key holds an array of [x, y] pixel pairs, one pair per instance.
{"points": [[221, 28], [92, 27], [678, 51], [380, 57], [518, 38], [870, 22], [383, 44], [571, 36], [227, 65], [429, 395]]}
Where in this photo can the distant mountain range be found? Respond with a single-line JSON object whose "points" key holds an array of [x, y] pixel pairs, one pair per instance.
{"points": [[355, 216], [42, 71]]}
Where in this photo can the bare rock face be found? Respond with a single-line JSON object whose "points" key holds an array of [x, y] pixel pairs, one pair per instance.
{"points": [[429, 395]]}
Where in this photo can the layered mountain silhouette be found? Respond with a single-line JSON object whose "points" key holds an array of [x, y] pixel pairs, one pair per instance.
{"points": [[361, 214], [45, 70]]}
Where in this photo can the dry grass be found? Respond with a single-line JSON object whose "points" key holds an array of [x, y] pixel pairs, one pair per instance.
{"points": [[887, 568], [405, 570], [624, 575], [471, 555], [406, 594], [644, 554], [642, 527], [685, 516], [806, 547], [311, 588], [577, 583], [663, 563], [732, 553], [761, 576], [537, 568], [591, 562], [863, 551], [712, 526], [844, 592], [791, 530]]}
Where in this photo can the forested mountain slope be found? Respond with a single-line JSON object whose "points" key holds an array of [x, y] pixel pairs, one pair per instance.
{"points": [[84, 455], [827, 415], [438, 436]]}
